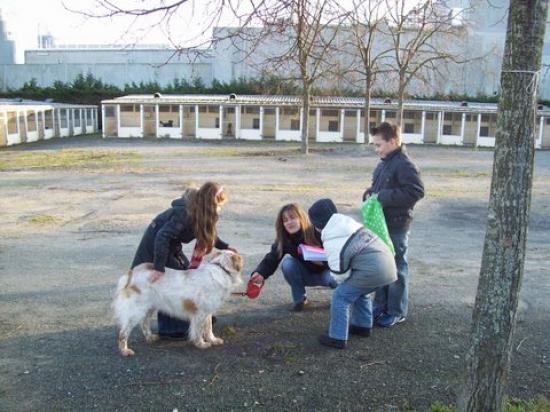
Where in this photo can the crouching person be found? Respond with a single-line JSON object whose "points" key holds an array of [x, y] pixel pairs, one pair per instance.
{"points": [[360, 262]]}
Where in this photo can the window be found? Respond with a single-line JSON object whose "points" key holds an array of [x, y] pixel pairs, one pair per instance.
{"points": [[217, 124], [468, 117], [333, 126], [255, 123], [12, 122], [329, 113], [290, 111], [409, 115], [485, 118], [448, 116], [63, 118], [547, 120], [391, 115], [430, 116], [48, 119], [294, 124], [89, 117], [213, 109], [31, 122], [164, 108], [350, 113], [269, 110], [129, 108], [484, 131], [252, 110], [313, 112], [230, 110], [109, 111], [76, 117], [447, 129], [202, 109], [409, 128]]}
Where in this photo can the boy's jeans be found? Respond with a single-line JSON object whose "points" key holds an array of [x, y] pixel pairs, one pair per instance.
{"points": [[394, 298], [299, 276], [344, 298]]}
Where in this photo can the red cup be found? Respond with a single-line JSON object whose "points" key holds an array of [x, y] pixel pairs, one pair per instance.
{"points": [[253, 289]]}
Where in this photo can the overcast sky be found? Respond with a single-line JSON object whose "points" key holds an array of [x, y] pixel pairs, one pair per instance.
{"points": [[26, 18]]}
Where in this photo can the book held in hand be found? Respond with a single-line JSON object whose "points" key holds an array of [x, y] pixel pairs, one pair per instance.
{"points": [[313, 253]]}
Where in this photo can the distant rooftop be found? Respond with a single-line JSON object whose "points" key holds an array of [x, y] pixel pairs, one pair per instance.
{"points": [[316, 101]]}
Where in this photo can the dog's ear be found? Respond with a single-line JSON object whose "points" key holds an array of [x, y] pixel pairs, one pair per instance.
{"points": [[237, 261]]}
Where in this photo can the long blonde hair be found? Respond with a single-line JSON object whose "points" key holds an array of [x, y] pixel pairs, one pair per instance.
{"points": [[306, 228], [202, 208]]}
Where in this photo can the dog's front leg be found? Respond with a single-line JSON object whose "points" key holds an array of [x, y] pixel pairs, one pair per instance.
{"points": [[145, 325], [208, 334], [196, 328]]}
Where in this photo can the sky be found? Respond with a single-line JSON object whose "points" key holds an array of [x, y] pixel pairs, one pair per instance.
{"points": [[25, 19]]}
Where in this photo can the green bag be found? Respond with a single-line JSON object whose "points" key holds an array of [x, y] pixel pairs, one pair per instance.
{"points": [[374, 220]]}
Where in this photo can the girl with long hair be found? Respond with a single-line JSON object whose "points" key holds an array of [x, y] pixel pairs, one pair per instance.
{"points": [[193, 216], [292, 228]]}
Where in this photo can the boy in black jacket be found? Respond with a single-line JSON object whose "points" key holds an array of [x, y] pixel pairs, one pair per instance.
{"points": [[397, 182]]}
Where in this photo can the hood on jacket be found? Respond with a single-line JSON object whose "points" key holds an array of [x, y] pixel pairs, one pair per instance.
{"points": [[321, 211], [178, 202], [340, 226]]}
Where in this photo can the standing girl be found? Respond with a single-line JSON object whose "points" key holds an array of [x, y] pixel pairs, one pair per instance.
{"points": [[292, 228]]}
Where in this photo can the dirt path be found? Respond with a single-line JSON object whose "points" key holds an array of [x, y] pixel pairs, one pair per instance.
{"points": [[71, 221]]}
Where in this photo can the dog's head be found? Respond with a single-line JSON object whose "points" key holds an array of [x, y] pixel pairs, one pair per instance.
{"points": [[231, 262]]}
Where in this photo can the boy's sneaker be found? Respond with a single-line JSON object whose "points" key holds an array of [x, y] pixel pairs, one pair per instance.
{"points": [[387, 320], [359, 330], [326, 340]]}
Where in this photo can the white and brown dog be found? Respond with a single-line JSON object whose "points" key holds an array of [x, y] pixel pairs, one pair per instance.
{"points": [[191, 294]]}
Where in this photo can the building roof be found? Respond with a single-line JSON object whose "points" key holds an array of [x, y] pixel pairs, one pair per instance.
{"points": [[316, 101], [14, 104]]}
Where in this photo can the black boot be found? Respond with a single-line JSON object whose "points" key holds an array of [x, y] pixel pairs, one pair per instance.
{"points": [[359, 331], [326, 340]]}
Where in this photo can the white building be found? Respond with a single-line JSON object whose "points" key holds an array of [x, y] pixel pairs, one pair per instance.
{"points": [[25, 121], [278, 118]]}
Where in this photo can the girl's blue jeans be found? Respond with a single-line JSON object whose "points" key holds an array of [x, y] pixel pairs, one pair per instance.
{"points": [[299, 276]]}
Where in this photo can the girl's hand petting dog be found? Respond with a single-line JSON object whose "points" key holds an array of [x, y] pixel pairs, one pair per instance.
{"points": [[155, 275]]}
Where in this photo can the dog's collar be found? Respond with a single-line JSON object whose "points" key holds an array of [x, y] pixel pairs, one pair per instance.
{"points": [[223, 268]]}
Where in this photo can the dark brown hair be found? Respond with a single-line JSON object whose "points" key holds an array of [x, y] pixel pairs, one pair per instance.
{"points": [[202, 207], [283, 237], [387, 132]]}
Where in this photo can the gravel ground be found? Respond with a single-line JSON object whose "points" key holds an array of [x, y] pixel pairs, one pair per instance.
{"points": [[71, 229]]}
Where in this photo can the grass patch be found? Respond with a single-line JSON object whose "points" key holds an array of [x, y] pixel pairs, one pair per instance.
{"points": [[44, 219], [66, 159]]}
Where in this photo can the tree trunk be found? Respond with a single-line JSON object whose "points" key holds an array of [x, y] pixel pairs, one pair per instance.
{"points": [[399, 114], [368, 91], [494, 316], [305, 120]]}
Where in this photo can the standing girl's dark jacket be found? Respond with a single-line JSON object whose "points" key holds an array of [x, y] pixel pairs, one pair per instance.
{"points": [[271, 261], [161, 243]]}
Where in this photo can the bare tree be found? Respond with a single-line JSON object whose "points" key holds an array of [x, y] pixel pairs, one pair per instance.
{"points": [[368, 53], [299, 39], [502, 265], [421, 38]]}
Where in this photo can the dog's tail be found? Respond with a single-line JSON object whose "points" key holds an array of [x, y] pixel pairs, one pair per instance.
{"points": [[125, 287]]}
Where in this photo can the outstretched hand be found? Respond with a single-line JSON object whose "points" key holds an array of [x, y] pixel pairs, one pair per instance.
{"points": [[232, 249], [155, 275]]}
